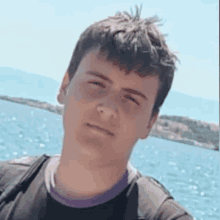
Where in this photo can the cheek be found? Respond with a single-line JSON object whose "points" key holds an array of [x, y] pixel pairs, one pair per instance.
{"points": [[129, 129], [73, 107], [77, 92], [82, 94]]}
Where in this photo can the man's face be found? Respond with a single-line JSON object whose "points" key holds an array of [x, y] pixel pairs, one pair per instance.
{"points": [[100, 94]]}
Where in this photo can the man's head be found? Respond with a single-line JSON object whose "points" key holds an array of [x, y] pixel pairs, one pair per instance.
{"points": [[132, 55]]}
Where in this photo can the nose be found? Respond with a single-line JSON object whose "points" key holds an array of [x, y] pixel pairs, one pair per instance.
{"points": [[107, 112], [108, 107]]}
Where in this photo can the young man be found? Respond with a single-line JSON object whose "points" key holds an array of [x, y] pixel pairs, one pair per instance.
{"points": [[119, 75]]}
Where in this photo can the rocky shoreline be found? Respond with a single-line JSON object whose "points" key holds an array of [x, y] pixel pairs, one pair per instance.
{"points": [[175, 128]]}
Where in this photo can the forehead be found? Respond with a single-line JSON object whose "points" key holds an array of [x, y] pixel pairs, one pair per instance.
{"points": [[95, 62]]}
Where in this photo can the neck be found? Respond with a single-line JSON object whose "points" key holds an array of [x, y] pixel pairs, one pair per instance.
{"points": [[87, 179]]}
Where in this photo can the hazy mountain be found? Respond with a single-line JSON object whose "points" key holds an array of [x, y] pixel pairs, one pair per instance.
{"points": [[194, 107], [17, 83]]}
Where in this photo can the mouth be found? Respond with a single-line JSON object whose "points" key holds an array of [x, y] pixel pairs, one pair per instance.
{"points": [[101, 129]]}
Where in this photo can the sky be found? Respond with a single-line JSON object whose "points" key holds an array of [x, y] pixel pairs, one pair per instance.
{"points": [[39, 36]]}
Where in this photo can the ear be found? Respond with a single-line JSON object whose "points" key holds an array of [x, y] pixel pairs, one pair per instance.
{"points": [[148, 127], [63, 88]]}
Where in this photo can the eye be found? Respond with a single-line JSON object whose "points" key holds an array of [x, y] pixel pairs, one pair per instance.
{"points": [[133, 100], [98, 84]]}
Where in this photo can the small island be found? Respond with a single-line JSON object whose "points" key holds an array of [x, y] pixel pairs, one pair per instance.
{"points": [[174, 128]]}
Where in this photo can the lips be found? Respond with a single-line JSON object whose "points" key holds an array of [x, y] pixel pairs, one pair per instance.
{"points": [[102, 129]]}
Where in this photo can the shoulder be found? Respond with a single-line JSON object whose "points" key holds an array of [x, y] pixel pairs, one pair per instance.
{"points": [[161, 200], [11, 168], [172, 208], [24, 160], [153, 187], [17, 165], [20, 160]]}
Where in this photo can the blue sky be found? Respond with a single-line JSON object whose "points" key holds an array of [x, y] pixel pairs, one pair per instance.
{"points": [[39, 36]]}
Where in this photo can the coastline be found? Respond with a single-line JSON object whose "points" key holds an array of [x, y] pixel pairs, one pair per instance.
{"points": [[174, 128]]}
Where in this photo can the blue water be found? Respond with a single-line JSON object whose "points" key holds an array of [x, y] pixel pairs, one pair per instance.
{"points": [[190, 173]]}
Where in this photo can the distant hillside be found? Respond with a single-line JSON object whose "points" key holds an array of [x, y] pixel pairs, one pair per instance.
{"points": [[14, 82], [197, 108], [186, 130], [174, 128]]}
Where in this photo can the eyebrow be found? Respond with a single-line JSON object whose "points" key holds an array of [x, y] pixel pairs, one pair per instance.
{"points": [[97, 74]]}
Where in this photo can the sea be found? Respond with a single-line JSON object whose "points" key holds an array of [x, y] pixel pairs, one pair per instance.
{"points": [[190, 173]]}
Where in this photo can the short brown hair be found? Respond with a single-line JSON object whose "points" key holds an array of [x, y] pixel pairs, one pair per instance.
{"points": [[133, 44]]}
